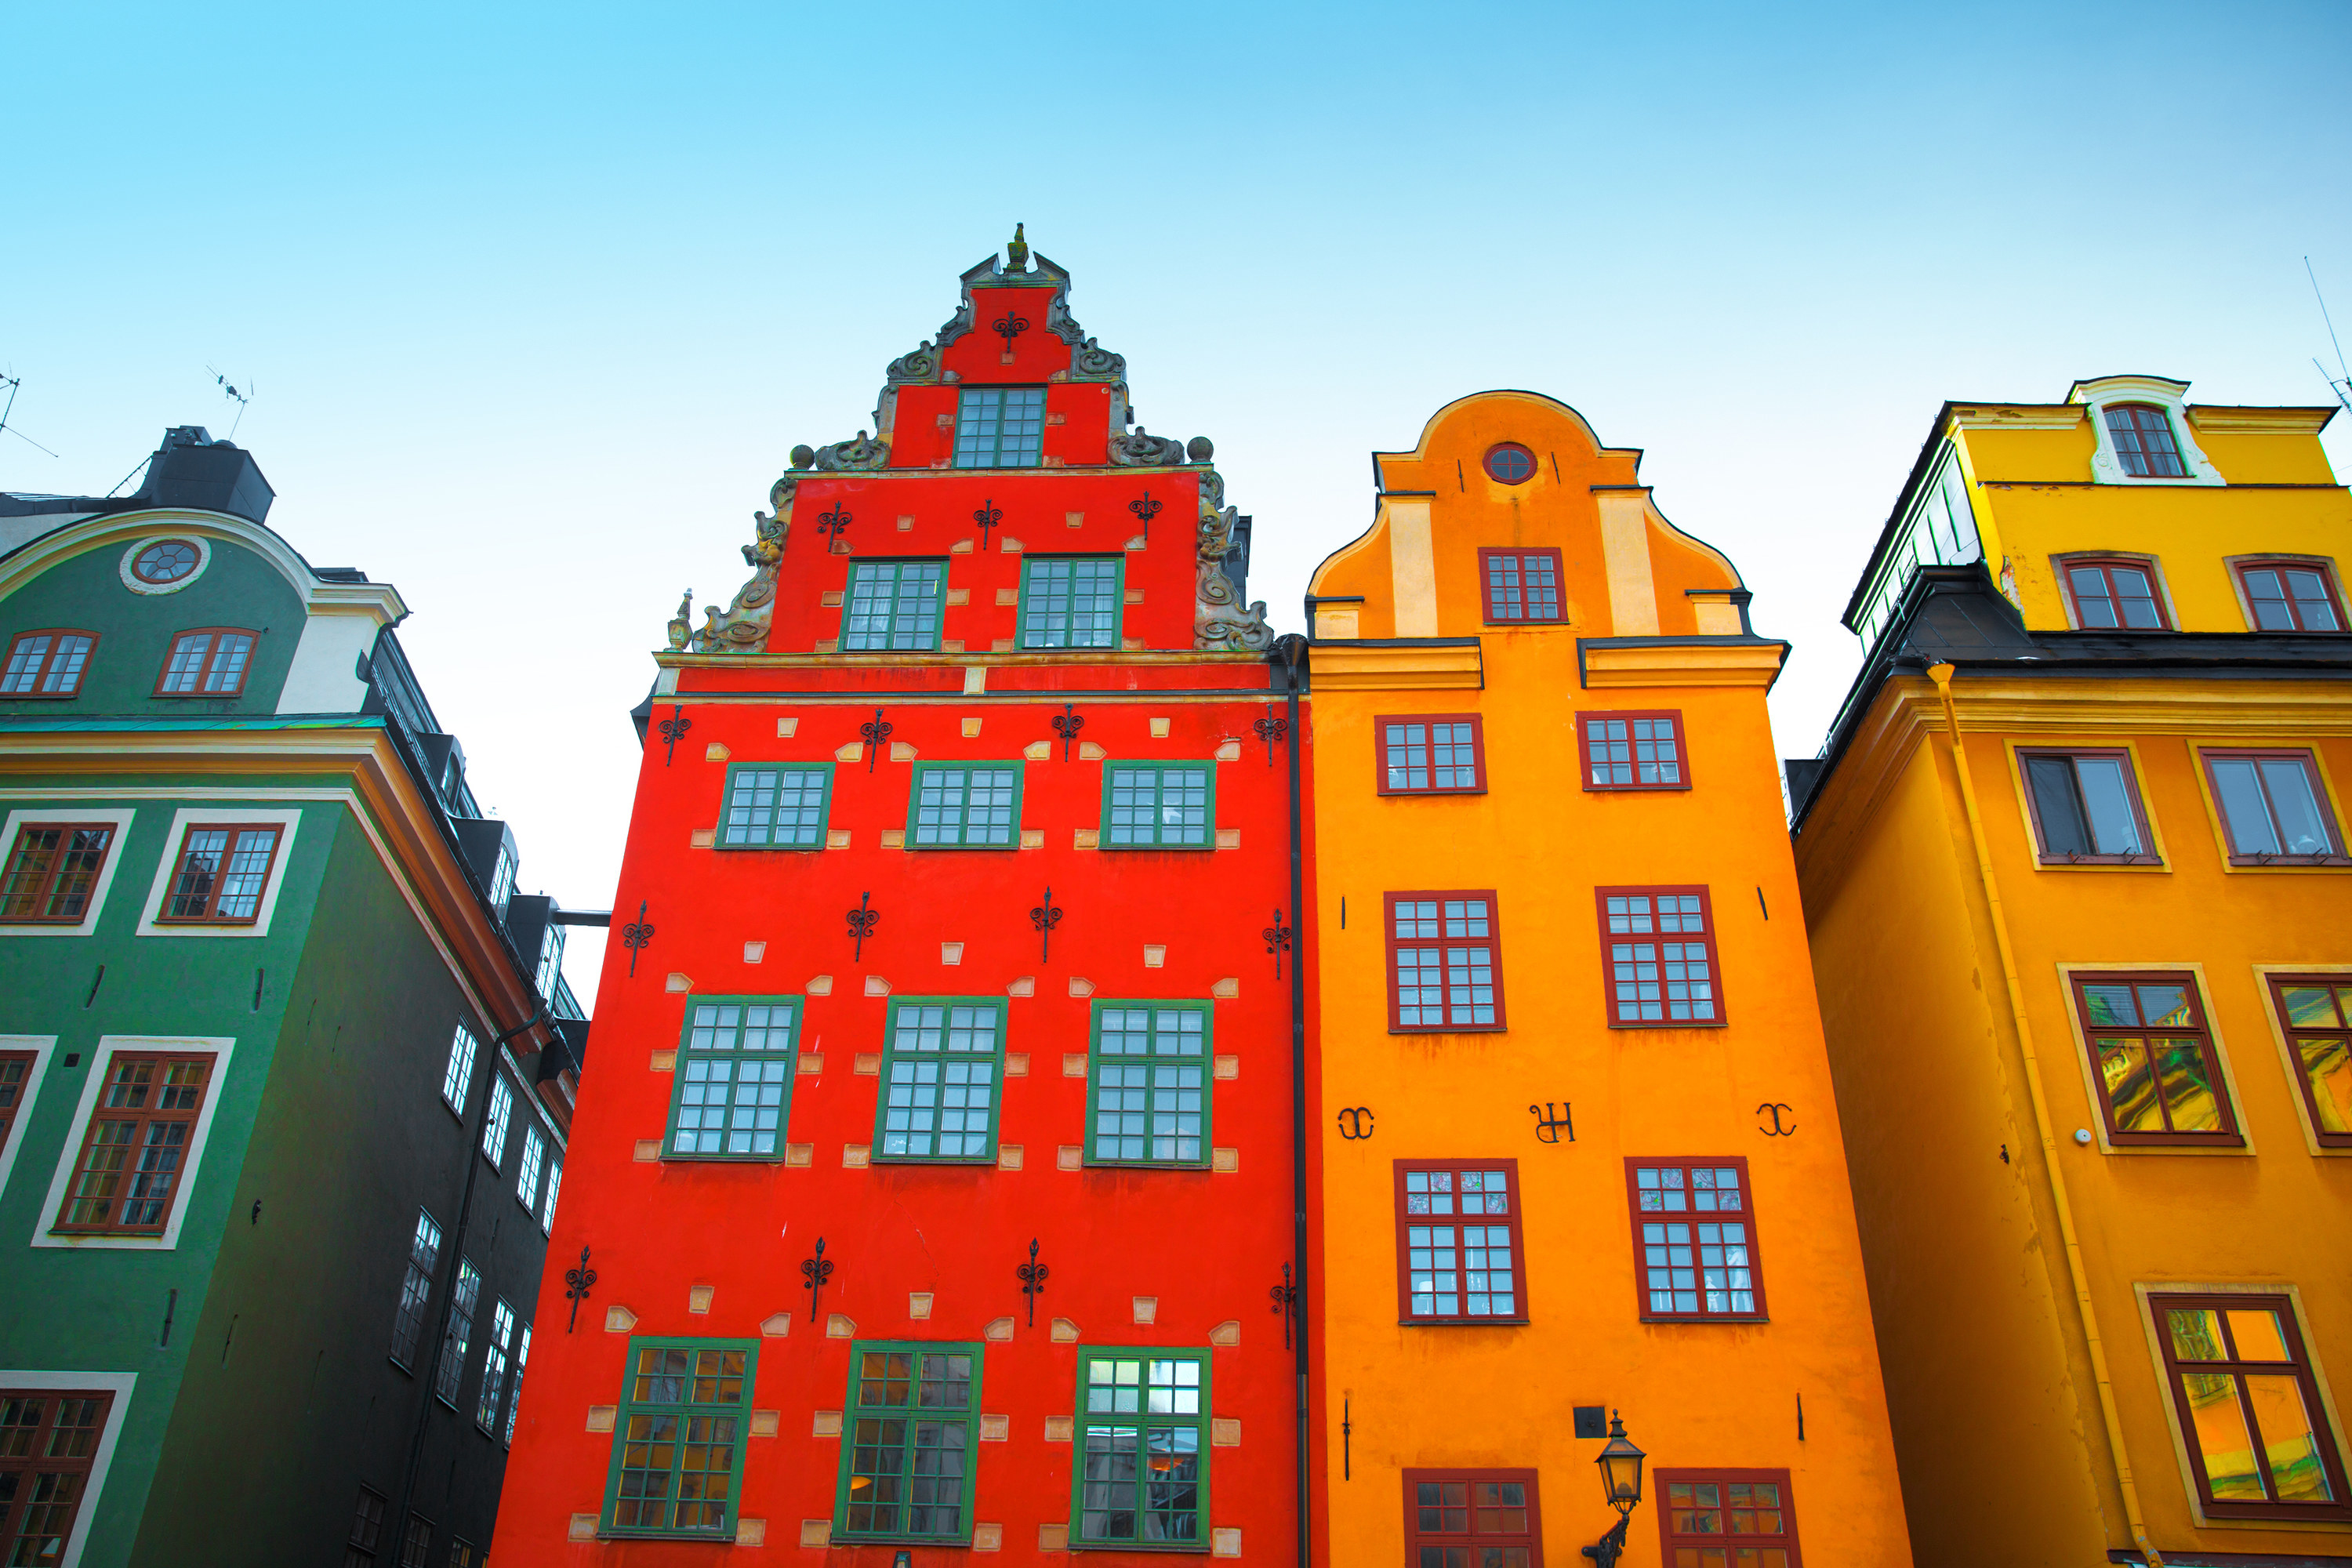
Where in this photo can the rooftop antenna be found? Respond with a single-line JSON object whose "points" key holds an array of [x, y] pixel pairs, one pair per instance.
{"points": [[2340, 383], [239, 398], [13, 382]]}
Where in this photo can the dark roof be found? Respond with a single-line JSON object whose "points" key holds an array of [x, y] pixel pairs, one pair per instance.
{"points": [[189, 469]]}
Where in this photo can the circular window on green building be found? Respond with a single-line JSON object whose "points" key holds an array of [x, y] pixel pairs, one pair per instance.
{"points": [[165, 561], [1510, 462]]}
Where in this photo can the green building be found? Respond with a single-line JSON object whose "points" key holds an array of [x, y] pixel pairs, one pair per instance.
{"points": [[285, 1062]]}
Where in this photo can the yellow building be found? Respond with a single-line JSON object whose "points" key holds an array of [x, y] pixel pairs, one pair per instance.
{"points": [[1578, 1151], [2074, 869]]}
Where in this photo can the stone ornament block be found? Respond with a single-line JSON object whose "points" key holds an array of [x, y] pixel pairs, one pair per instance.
{"points": [[950, 644], [902, 752], [1224, 1162], [1074, 518], [1090, 752], [765, 1422], [663, 1062], [800, 1153], [970, 729], [995, 1429], [1224, 1543], [999, 1330], [1032, 838], [678, 981], [583, 1527], [1137, 542], [647, 1150], [961, 546], [754, 951], [1070, 1157], [820, 985], [988, 1537], [1008, 1157], [876, 987], [853, 752], [959, 596], [1224, 1432], [867, 1064], [829, 645], [1225, 990], [1001, 645], [1052, 1538], [1008, 547], [836, 838], [702, 839], [715, 753], [894, 838], [1066, 1333], [1060, 1428], [1130, 645], [1229, 750], [839, 1326], [1133, 596], [698, 1298], [816, 1533], [1155, 955], [602, 1417], [1017, 1064], [1146, 1308], [1085, 838], [1229, 837], [1038, 751], [619, 1320], [918, 1304], [830, 599], [827, 1423], [1226, 1334], [1159, 728], [1227, 1067], [1025, 986], [1008, 595], [950, 953], [785, 728], [751, 1532], [857, 1156], [776, 1325], [1073, 1063], [1081, 986], [811, 1063], [907, 525]]}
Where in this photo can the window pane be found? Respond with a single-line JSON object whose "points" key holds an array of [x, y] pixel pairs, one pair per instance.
{"points": [[187, 662], [2218, 1422], [2106, 800], [2313, 609], [2136, 597], [1070, 603], [1000, 427], [2065, 830], [2296, 807], [2243, 810], [893, 605], [2092, 605], [2267, 596], [2289, 1440]]}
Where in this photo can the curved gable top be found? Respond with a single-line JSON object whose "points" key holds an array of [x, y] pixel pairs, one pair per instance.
{"points": [[379, 602], [1545, 409]]}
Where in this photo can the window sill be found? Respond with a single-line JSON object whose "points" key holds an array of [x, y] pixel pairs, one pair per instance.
{"points": [[862, 1539], [720, 1537], [401, 1367], [1519, 1322], [1080, 1543], [977, 1162], [1657, 1026], [2289, 862], [1637, 789], [1448, 1029], [2185, 1144], [1707, 1320], [1418, 793], [2101, 863], [1201, 1166]]}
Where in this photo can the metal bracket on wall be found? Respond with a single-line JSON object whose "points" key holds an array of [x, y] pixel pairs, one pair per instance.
{"points": [[1046, 917], [874, 731], [1355, 1122], [1067, 724], [1551, 1124], [1286, 1302], [576, 1282], [814, 1271], [1270, 728], [634, 935], [672, 728], [1775, 1110], [830, 523], [987, 515], [1278, 941], [1032, 1279], [862, 920], [1145, 511]]}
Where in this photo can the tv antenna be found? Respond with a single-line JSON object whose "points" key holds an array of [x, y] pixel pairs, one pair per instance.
{"points": [[2340, 383], [239, 398], [13, 382]]}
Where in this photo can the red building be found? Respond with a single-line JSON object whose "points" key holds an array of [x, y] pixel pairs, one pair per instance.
{"points": [[945, 951]]}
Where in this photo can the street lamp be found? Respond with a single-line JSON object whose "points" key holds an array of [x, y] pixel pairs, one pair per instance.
{"points": [[1620, 1482]]}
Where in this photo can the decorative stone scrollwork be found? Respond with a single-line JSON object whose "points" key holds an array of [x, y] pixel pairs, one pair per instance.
{"points": [[1094, 362], [1219, 618], [1134, 448], [860, 453], [918, 364], [742, 627]]}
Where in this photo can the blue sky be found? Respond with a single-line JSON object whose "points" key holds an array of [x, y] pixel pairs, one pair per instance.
{"points": [[538, 300]]}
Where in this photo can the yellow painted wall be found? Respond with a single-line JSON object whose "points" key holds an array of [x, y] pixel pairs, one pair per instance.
{"points": [[2008, 1455], [1714, 1395]]}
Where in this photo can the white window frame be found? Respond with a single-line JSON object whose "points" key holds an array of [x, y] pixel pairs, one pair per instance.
{"points": [[554, 1179], [465, 1083], [117, 1383], [2108, 464], [197, 817], [115, 851], [101, 1063], [531, 1167], [42, 1047], [498, 1115]]}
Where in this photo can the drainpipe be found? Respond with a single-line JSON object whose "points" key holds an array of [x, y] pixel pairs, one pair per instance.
{"points": [[1293, 650], [1941, 674], [449, 1298]]}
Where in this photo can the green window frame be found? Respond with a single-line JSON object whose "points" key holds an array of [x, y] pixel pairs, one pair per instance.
{"points": [[942, 1072], [910, 1442], [1072, 601], [1148, 1084], [1140, 1476], [775, 806], [1000, 427], [733, 1097], [1159, 805], [964, 806], [894, 607], [678, 1438]]}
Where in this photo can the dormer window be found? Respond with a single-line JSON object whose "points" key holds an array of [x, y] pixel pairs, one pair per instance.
{"points": [[2290, 597], [47, 663], [2113, 595], [2144, 441], [1000, 427], [209, 662]]}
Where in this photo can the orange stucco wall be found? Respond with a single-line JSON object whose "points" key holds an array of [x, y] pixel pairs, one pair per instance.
{"points": [[1712, 1396]]}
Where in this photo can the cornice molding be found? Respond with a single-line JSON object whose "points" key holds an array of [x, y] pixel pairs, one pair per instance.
{"points": [[1378, 667], [380, 601], [2017, 416], [2260, 421], [1679, 661]]}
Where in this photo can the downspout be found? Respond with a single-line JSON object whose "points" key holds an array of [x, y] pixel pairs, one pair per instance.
{"points": [[1941, 674], [449, 1298], [1293, 649]]}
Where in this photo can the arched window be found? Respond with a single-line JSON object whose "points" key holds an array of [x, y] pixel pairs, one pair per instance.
{"points": [[2143, 440]]}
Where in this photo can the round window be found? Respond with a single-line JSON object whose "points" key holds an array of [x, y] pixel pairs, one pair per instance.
{"points": [[169, 559], [1511, 463]]}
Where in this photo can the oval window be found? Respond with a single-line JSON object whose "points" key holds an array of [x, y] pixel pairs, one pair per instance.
{"points": [[1511, 463], [165, 561]]}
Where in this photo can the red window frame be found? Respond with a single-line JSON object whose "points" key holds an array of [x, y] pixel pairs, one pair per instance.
{"points": [[1586, 724], [147, 1117], [2143, 458], [1493, 942], [2208, 755], [2107, 567], [1381, 758], [2281, 565], [208, 897], [2237, 1369], [1691, 1180], [16, 1077], [46, 669], [1610, 940], [1486, 601], [213, 650], [2321, 1047], [35, 1413], [1487, 463], [2043, 854], [1467, 1547], [1713, 1548], [2107, 1075], [37, 886], [1515, 1199]]}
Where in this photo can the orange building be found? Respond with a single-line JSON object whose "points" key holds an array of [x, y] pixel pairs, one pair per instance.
{"points": [[1580, 1152]]}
